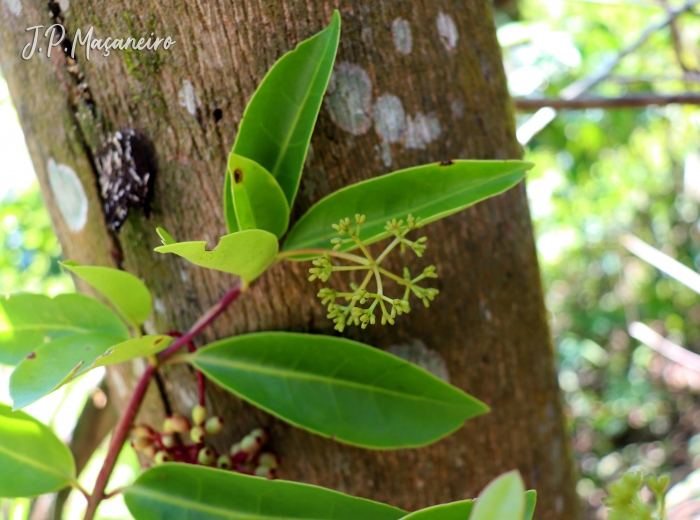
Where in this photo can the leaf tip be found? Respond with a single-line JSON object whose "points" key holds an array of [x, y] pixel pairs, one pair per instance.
{"points": [[165, 237]]}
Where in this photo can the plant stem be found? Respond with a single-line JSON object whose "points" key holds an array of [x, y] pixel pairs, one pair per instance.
{"points": [[121, 431], [320, 252]]}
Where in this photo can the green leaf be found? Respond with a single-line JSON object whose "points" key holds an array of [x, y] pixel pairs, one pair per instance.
{"points": [[453, 511], [431, 192], [530, 503], [280, 117], [183, 492], [127, 293], [338, 388], [55, 364], [246, 253], [502, 499], [139, 347], [33, 460], [28, 321], [257, 198], [229, 210]]}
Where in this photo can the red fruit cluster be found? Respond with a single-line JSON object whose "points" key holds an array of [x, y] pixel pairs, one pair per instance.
{"points": [[245, 456]]}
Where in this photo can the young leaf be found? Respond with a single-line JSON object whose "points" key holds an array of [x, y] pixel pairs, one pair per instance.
{"points": [[28, 321], [502, 499], [431, 192], [338, 388], [530, 503], [280, 117], [246, 253], [453, 511], [139, 347], [54, 364], [127, 293], [33, 460], [257, 198], [178, 492]]}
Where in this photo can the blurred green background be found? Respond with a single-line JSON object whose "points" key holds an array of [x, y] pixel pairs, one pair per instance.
{"points": [[600, 175]]}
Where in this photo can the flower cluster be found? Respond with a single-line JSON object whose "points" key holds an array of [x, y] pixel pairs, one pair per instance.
{"points": [[243, 457], [624, 497], [359, 304]]}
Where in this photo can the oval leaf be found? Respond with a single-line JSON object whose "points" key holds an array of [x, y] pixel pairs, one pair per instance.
{"points": [[502, 499], [182, 492], [28, 321], [33, 460], [246, 253], [54, 364], [280, 117], [453, 511], [257, 198], [338, 388], [431, 192], [139, 347], [127, 293]]}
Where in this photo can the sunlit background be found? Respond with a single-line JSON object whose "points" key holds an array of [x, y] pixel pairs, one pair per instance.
{"points": [[607, 182]]}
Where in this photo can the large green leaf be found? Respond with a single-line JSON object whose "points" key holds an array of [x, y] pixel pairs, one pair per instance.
{"points": [[33, 461], [431, 192], [338, 388], [502, 499], [257, 198], [453, 511], [127, 293], [246, 253], [54, 364], [185, 492], [28, 321], [280, 117]]}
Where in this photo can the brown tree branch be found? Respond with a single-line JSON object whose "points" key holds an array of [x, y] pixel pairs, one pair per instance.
{"points": [[629, 101]]}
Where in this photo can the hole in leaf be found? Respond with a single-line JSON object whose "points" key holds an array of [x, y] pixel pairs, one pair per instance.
{"points": [[237, 175]]}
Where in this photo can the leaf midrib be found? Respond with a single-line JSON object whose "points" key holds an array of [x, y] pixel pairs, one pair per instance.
{"points": [[199, 506], [32, 462], [377, 221], [256, 368]]}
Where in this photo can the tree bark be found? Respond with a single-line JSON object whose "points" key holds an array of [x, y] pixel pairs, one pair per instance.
{"points": [[441, 62]]}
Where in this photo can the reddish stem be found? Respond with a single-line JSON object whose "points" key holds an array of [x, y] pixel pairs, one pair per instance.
{"points": [[121, 431]]}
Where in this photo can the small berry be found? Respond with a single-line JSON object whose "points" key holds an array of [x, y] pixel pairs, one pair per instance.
{"points": [[235, 448], [199, 415], [206, 456], [224, 462], [150, 451], [214, 425], [260, 434], [141, 443], [162, 456], [176, 424], [168, 440], [197, 434], [269, 460], [250, 444], [142, 431]]}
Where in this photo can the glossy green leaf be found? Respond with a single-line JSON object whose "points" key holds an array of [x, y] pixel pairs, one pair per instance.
{"points": [[28, 321], [453, 511], [185, 492], [55, 364], [134, 348], [502, 499], [530, 503], [246, 253], [338, 388], [280, 117], [257, 198], [33, 460], [127, 293], [431, 192]]}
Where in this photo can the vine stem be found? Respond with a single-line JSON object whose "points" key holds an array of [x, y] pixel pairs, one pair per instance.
{"points": [[121, 431]]}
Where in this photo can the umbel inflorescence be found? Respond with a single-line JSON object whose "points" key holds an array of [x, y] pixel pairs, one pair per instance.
{"points": [[360, 304]]}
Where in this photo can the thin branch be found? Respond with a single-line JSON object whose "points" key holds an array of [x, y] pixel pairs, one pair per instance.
{"points": [[629, 101], [666, 348], [576, 89], [662, 261]]}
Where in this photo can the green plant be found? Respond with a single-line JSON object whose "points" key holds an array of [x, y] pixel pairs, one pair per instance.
{"points": [[352, 392], [625, 502]]}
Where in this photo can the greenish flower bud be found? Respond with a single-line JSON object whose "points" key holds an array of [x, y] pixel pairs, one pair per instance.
{"points": [[199, 415], [162, 456], [197, 434], [206, 456], [269, 460], [168, 440], [214, 425], [224, 462]]}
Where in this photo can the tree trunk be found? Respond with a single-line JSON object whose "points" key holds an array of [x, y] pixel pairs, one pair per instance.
{"points": [[416, 81]]}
